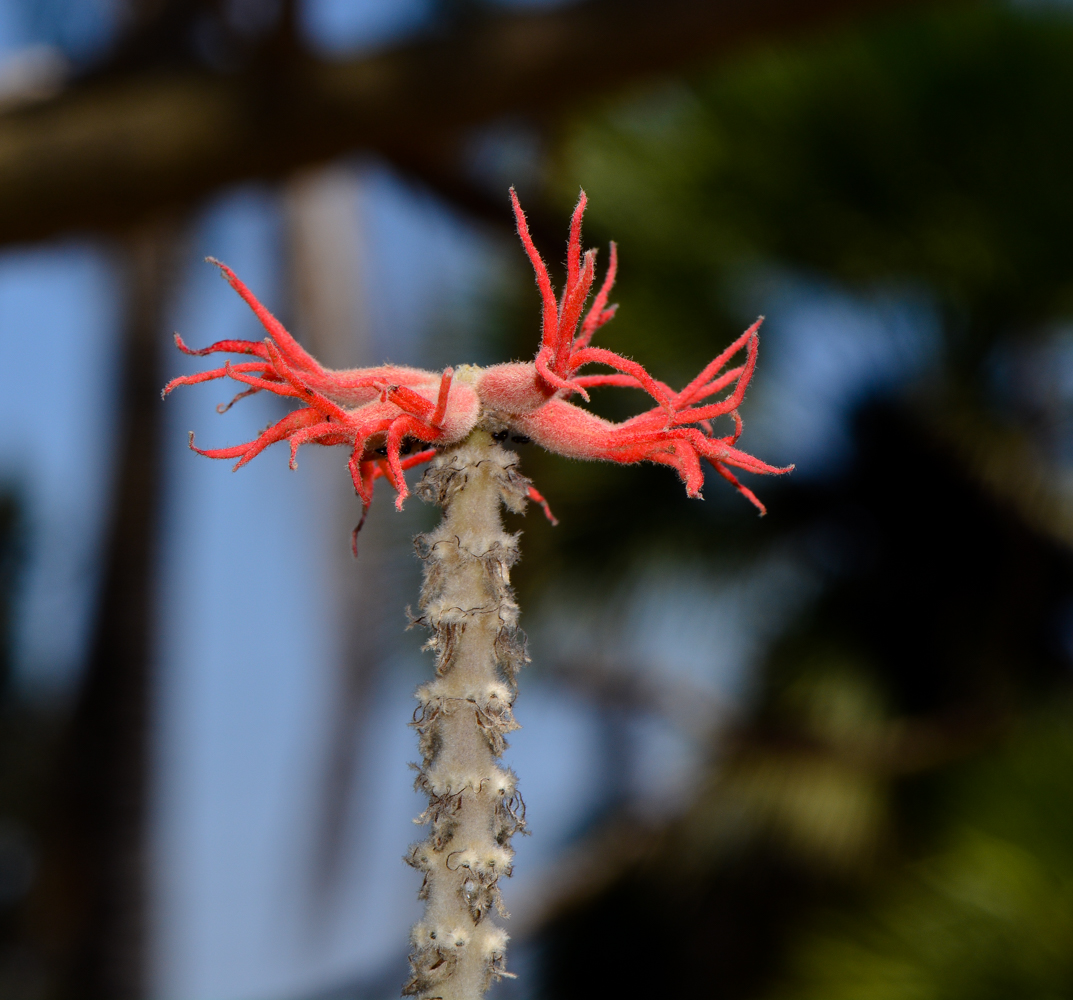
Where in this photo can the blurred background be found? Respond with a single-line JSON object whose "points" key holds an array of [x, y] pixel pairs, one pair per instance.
{"points": [[824, 755]]}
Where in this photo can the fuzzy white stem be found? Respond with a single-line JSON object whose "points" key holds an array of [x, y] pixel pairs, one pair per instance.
{"points": [[464, 715]]}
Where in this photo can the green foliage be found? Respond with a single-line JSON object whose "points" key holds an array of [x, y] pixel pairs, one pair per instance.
{"points": [[987, 917], [936, 150], [894, 819], [932, 152]]}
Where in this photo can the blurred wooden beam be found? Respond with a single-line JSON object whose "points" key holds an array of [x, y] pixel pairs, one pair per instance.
{"points": [[91, 908], [110, 151]]}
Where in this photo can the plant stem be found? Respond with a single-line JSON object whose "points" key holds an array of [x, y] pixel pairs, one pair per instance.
{"points": [[463, 718]]}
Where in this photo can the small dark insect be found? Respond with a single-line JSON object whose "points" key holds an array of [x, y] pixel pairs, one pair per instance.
{"points": [[521, 439], [500, 435]]}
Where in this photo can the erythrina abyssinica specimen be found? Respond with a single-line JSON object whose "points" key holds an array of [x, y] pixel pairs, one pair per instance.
{"points": [[458, 418]]}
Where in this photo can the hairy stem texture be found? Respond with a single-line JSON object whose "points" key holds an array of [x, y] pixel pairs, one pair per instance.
{"points": [[463, 718]]}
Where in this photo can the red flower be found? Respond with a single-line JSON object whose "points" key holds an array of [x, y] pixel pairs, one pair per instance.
{"points": [[378, 413]]}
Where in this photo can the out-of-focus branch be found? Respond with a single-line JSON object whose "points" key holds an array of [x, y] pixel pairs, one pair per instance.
{"points": [[111, 150], [1008, 465], [640, 687], [90, 905]]}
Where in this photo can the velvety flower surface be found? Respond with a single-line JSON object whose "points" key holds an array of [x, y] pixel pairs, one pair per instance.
{"points": [[381, 414]]}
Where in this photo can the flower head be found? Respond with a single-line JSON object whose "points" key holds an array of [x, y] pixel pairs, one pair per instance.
{"points": [[382, 414]]}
